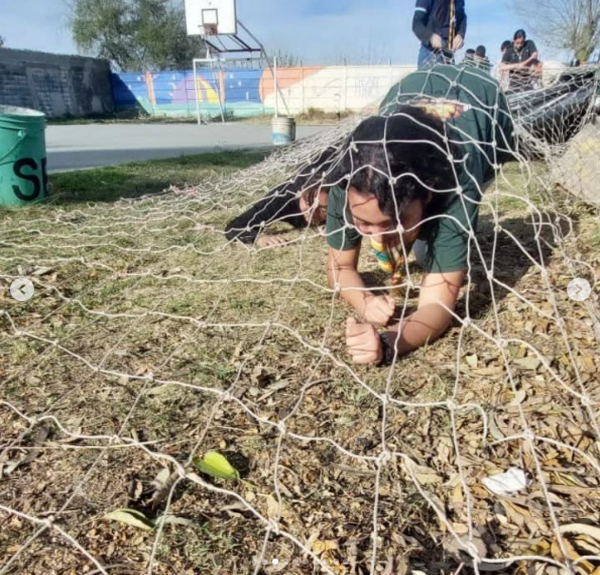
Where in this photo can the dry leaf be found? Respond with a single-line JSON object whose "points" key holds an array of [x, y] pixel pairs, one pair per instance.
{"points": [[273, 508], [424, 475], [174, 520], [572, 555], [591, 546], [519, 398], [160, 390], [322, 546], [131, 517], [531, 362], [582, 529]]}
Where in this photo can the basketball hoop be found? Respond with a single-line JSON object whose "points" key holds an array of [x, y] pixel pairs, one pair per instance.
{"points": [[210, 30], [211, 17]]}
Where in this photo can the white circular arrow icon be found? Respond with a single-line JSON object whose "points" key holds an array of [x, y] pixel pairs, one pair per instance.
{"points": [[579, 289], [22, 289]]}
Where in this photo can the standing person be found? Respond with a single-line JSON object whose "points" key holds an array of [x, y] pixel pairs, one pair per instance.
{"points": [[469, 57], [415, 174], [481, 60], [441, 26], [521, 62]]}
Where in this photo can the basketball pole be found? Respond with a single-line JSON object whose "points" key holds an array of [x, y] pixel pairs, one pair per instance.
{"points": [[263, 52], [276, 86], [205, 23], [198, 118]]}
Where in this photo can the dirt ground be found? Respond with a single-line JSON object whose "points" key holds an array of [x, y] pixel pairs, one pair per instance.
{"points": [[151, 341]]}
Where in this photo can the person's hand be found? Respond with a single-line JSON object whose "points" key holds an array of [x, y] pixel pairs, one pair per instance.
{"points": [[271, 241], [379, 309], [364, 343], [458, 43], [436, 42]]}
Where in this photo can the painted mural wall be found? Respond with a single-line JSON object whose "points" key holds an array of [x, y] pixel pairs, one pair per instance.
{"points": [[250, 92]]}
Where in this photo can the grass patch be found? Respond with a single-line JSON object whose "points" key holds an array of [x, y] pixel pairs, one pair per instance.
{"points": [[312, 116], [123, 117], [155, 314], [309, 117], [141, 178]]}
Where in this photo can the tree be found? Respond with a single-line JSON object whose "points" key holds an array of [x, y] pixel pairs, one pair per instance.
{"points": [[2, 41], [572, 25], [136, 35]]}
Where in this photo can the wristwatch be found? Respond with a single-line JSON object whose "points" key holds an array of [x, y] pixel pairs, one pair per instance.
{"points": [[389, 351]]}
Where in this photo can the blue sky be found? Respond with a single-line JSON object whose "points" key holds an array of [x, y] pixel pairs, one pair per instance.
{"points": [[318, 31]]}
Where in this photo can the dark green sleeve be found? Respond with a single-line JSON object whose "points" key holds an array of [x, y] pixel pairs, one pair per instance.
{"points": [[339, 235]]}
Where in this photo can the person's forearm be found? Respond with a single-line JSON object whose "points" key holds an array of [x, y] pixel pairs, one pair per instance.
{"points": [[244, 235], [425, 325], [352, 286], [420, 28]]}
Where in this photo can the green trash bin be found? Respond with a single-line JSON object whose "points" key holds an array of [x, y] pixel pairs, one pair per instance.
{"points": [[23, 176]]}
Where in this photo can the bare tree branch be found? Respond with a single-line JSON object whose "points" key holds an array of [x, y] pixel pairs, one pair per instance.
{"points": [[572, 25]]}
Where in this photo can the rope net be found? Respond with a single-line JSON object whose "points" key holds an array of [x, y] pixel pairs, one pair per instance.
{"points": [[153, 339]]}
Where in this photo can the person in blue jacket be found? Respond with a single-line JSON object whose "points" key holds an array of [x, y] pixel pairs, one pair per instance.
{"points": [[441, 25]]}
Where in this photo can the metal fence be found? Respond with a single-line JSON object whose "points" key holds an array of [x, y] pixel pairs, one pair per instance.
{"points": [[243, 92]]}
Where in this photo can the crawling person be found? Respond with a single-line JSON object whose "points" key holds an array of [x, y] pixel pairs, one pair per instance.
{"points": [[300, 202], [415, 175]]}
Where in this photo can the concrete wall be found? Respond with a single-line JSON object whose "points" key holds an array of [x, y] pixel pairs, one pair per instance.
{"points": [[54, 84], [247, 92]]}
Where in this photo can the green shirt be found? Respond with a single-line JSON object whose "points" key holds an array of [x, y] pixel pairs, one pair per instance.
{"points": [[478, 120]]}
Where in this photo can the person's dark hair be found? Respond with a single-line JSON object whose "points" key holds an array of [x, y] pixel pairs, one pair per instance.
{"points": [[470, 52], [481, 51], [505, 45], [310, 194], [395, 154], [520, 34]]}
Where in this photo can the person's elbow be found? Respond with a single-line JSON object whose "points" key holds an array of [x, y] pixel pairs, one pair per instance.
{"points": [[439, 321], [443, 324], [231, 233], [437, 302]]}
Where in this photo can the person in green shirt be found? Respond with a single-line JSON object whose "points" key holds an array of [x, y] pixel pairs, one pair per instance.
{"points": [[414, 176]]}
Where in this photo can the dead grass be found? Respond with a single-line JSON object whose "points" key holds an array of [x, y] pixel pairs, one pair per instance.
{"points": [[312, 116], [143, 358]]}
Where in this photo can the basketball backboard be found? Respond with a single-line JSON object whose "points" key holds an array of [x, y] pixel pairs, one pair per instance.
{"points": [[210, 17]]}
